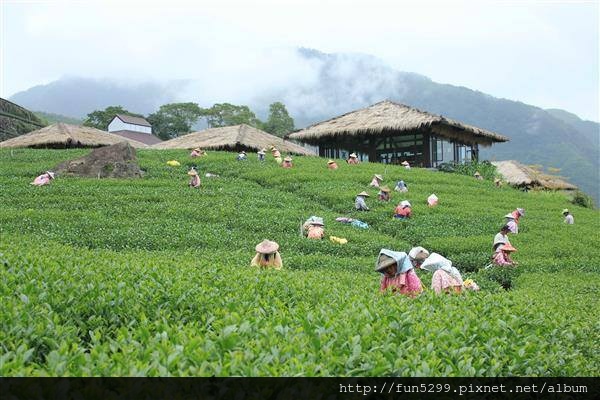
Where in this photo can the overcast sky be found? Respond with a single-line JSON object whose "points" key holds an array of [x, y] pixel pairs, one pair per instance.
{"points": [[543, 53]]}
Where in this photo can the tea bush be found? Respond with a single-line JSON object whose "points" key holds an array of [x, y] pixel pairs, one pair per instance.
{"points": [[147, 277]]}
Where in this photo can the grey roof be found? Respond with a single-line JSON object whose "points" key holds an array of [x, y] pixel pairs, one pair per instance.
{"points": [[133, 120], [146, 138]]}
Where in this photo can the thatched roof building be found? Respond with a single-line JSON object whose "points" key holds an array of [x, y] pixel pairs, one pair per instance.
{"points": [[392, 132], [519, 175], [232, 138], [63, 135]]}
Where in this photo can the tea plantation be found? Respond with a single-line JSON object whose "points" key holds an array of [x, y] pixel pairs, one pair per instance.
{"points": [[151, 278]]}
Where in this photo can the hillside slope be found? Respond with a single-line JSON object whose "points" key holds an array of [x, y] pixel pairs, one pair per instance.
{"points": [[150, 278], [16, 120], [333, 84]]}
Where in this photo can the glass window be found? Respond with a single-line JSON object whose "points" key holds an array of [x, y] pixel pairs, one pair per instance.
{"points": [[447, 151]]}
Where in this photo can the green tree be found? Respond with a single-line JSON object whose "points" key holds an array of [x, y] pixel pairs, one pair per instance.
{"points": [[225, 114], [175, 119], [279, 122], [100, 119]]}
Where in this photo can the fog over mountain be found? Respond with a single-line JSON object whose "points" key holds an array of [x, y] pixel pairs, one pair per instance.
{"points": [[316, 86]]}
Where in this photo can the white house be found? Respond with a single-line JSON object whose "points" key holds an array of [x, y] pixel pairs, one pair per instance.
{"points": [[128, 123], [136, 128]]}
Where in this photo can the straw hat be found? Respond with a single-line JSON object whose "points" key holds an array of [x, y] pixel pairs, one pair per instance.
{"points": [[510, 216], [50, 174], [288, 158], [507, 247], [404, 162], [352, 155], [193, 171], [521, 211], [385, 189], [418, 253], [383, 262], [565, 211], [476, 173], [317, 222], [363, 193], [330, 162], [405, 203], [379, 177], [267, 247]]}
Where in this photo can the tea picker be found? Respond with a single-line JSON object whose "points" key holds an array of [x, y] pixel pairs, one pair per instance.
{"points": [[313, 228], [359, 202], [376, 180], [384, 194], [267, 255], [398, 275], [502, 256], [403, 210], [287, 162], [569, 219], [511, 223], [261, 155], [401, 187], [353, 159], [446, 278], [43, 179], [194, 178]]}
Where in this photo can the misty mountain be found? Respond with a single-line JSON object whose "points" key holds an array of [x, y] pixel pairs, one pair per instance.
{"points": [[50, 118], [333, 84], [76, 97]]}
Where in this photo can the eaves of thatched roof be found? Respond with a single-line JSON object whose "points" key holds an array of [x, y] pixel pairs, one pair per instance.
{"points": [[67, 135], [517, 174], [235, 137], [387, 118]]}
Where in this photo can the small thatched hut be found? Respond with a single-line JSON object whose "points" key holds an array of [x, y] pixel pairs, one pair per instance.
{"points": [[391, 133], [232, 138], [522, 176], [66, 136]]}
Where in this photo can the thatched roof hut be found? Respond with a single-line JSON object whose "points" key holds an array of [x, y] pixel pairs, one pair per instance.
{"points": [[519, 175], [232, 138], [389, 132], [388, 117], [63, 135]]}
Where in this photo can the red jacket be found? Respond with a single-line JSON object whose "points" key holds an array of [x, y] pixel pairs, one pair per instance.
{"points": [[403, 211]]}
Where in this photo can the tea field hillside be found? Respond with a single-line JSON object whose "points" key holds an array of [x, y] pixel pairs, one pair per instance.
{"points": [[148, 277]]}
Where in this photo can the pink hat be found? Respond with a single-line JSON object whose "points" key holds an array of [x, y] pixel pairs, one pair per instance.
{"points": [[267, 247], [507, 247]]}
